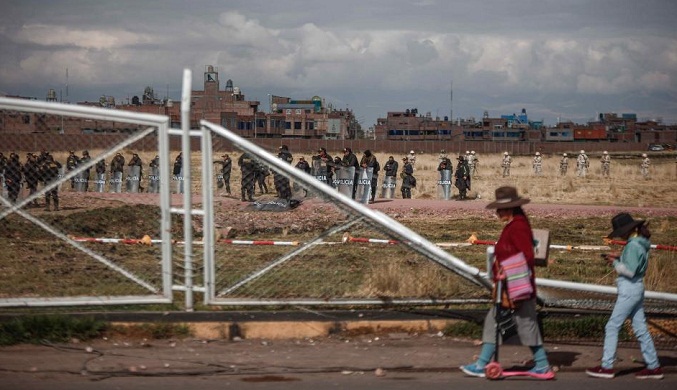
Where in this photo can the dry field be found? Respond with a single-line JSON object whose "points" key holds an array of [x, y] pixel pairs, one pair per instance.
{"points": [[625, 186], [588, 205]]}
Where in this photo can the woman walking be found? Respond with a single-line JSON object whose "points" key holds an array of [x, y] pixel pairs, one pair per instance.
{"points": [[515, 238], [631, 267]]}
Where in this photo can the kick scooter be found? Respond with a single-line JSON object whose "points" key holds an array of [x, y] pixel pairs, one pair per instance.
{"points": [[493, 370]]}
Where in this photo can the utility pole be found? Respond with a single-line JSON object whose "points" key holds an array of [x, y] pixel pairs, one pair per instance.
{"points": [[451, 102]]}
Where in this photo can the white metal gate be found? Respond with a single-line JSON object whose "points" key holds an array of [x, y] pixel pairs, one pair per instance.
{"points": [[64, 278], [222, 285]]}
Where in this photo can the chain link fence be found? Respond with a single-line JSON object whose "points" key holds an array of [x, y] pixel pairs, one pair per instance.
{"points": [[256, 227], [73, 215]]}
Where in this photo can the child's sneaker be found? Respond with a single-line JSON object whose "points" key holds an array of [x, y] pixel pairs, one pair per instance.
{"points": [[600, 372], [545, 373], [473, 370], [646, 373]]}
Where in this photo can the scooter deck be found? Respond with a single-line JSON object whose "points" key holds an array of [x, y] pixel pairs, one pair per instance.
{"points": [[494, 371]]}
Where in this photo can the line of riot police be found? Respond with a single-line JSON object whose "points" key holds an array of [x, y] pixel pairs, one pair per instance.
{"points": [[354, 178], [36, 169]]}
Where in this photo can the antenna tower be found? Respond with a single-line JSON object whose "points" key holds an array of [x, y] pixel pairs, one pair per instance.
{"points": [[451, 102]]}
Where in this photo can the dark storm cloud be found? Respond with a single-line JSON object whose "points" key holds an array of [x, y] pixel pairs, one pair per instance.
{"points": [[567, 59]]}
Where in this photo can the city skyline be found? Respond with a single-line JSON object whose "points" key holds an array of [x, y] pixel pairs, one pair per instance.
{"points": [[565, 60]]}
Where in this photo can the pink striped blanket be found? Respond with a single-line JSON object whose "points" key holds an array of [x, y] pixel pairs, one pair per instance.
{"points": [[517, 276]]}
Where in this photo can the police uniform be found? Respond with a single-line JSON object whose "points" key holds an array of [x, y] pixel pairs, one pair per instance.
{"points": [[538, 164], [644, 166], [117, 164], [329, 164], [582, 164], [226, 167], [13, 177], [462, 176], [85, 159], [369, 161], [50, 173], [282, 184], [31, 171], [606, 163], [350, 160], [305, 167], [408, 180], [247, 168], [563, 165], [507, 161]]}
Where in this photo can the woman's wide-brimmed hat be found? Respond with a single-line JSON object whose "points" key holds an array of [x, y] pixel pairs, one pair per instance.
{"points": [[507, 198], [623, 224]]}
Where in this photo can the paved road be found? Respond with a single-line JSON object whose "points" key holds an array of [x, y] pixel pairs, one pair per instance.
{"points": [[404, 381], [343, 362]]}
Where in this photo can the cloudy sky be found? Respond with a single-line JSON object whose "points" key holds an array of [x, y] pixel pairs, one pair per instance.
{"points": [[568, 59]]}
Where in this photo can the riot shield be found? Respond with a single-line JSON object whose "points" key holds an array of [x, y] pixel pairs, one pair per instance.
{"points": [[344, 180], [297, 190], [100, 182], [154, 180], [363, 193], [116, 182], [444, 185], [133, 178], [3, 188], [388, 187], [178, 179], [319, 170], [62, 173], [80, 180]]}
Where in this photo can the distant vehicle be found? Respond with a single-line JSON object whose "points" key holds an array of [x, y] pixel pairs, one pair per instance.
{"points": [[656, 148]]}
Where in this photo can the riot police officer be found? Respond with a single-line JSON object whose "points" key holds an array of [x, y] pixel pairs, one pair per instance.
{"points": [[305, 167], [408, 180], [507, 161], [605, 160], [350, 160], [71, 162], [282, 185], [462, 176], [85, 174], [226, 167], [563, 164], [50, 172], [31, 171], [247, 167], [13, 177]]}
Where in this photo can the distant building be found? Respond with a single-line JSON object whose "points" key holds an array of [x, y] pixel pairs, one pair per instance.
{"points": [[313, 119], [227, 107], [408, 125]]}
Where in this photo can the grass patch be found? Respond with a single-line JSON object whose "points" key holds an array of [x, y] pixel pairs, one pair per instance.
{"points": [[584, 327], [61, 328], [157, 331], [37, 329], [580, 328], [466, 329]]}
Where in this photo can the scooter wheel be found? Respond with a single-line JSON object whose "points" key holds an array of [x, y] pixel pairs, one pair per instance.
{"points": [[493, 370]]}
